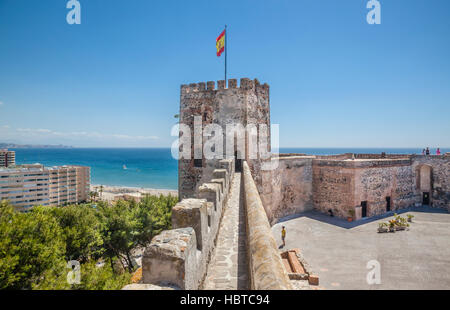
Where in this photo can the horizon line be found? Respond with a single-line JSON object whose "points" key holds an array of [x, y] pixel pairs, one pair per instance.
{"points": [[281, 147]]}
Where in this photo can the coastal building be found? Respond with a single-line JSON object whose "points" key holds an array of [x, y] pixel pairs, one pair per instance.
{"points": [[7, 158], [25, 186]]}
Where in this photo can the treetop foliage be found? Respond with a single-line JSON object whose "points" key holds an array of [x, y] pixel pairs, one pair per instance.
{"points": [[36, 246]]}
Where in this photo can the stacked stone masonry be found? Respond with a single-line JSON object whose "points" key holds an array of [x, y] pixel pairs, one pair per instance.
{"points": [[345, 182], [179, 257], [266, 268], [245, 105]]}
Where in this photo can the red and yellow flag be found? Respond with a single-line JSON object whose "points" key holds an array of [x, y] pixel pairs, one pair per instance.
{"points": [[220, 43]]}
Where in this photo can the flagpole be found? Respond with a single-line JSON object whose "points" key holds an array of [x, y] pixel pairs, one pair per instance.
{"points": [[226, 35]]}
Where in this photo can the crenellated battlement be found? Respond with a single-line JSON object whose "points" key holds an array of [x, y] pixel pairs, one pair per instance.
{"points": [[244, 102], [245, 84], [179, 256]]}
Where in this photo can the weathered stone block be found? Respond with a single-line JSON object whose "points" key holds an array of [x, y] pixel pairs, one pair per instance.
{"points": [[222, 183], [221, 84], [193, 87], [201, 86], [192, 213], [221, 174], [210, 85], [247, 84], [232, 83], [170, 259], [210, 192], [228, 165]]}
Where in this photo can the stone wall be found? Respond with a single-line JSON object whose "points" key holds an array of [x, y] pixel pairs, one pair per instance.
{"points": [[439, 178], [266, 269], [342, 182], [179, 257], [245, 104], [287, 190], [341, 185], [376, 184], [333, 187]]}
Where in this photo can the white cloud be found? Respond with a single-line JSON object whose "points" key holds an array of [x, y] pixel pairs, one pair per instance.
{"points": [[82, 134], [34, 131], [127, 137]]}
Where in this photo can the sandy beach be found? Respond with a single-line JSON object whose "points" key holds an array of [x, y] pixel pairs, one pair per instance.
{"points": [[112, 192]]}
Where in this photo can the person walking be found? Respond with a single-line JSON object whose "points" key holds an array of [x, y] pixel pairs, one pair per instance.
{"points": [[438, 151], [427, 152], [423, 151], [283, 235]]}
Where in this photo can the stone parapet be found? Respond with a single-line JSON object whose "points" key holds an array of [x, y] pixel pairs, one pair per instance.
{"points": [[245, 84], [192, 213], [210, 192], [363, 163], [228, 165], [222, 174], [171, 259], [221, 182], [266, 269], [179, 257]]}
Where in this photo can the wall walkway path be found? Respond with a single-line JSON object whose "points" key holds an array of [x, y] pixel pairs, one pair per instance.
{"points": [[228, 268]]}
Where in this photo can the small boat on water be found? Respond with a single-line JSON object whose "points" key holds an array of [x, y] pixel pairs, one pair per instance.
{"points": [[124, 167]]}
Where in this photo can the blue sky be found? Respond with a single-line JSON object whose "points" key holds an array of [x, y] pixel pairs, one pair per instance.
{"points": [[335, 80]]}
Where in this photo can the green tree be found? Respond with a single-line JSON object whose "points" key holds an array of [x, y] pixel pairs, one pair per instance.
{"points": [[93, 196], [154, 215], [32, 248], [119, 230], [36, 246], [81, 231], [101, 278]]}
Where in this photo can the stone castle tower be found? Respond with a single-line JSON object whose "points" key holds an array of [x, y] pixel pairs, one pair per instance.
{"points": [[244, 105]]}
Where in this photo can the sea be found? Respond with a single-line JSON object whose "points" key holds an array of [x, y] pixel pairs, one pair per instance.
{"points": [[151, 167]]}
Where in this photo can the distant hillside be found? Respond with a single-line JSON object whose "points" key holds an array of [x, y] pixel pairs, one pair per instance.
{"points": [[18, 146]]}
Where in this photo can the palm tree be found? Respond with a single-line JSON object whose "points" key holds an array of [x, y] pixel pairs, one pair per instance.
{"points": [[92, 196], [101, 190]]}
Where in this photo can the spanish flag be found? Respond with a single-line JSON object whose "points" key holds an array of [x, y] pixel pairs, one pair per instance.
{"points": [[220, 43]]}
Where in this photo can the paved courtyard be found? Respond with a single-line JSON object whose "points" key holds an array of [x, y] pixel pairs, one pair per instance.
{"points": [[339, 251]]}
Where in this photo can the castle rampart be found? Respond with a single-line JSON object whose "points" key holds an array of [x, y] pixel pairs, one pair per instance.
{"points": [[242, 105], [179, 257], [265, 266], [368, 184]]}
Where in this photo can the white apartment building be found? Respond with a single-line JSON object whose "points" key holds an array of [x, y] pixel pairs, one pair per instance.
{"points": [[25, 186], [7, 158]]}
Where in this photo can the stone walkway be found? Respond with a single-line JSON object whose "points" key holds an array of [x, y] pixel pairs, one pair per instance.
{"points": [[228, 267]]}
